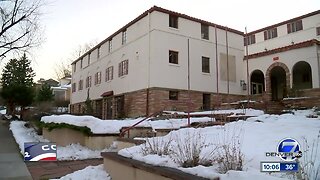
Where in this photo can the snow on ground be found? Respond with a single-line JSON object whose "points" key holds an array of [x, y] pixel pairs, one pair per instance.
{"points": [[90, 172], [99, 126], [3, 111], [258, 135], [23, 134]]}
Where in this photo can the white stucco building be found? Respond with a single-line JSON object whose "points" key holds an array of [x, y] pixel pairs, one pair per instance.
{"points": [[167, 60]]}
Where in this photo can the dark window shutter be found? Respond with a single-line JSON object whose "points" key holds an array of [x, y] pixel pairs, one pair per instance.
{"points": [[289, 28], [245, 41], [253, 39], [265, 35], [299, 25], [275, 32], [120, 70]]}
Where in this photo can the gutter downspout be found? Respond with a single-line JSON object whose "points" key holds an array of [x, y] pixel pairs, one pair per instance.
{"points": [[217, 63], [149, 57], [318, 60]]}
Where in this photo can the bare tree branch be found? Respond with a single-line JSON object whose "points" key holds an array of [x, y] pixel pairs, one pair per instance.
{"points": [[19, 25]]}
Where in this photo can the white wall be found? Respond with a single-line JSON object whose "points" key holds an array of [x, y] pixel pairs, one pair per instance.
{"points": [[289, 58], [285, 39], [135, 50], [166, 75]]}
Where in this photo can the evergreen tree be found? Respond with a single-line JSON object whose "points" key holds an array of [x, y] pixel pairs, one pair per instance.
{"points": [[17, 84], [45, 94]]}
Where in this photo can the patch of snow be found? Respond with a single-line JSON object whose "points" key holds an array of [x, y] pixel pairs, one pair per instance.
{"points": [[23, 134], [3, 111], [259, 135], [90, 172], [294, 98], [98, 126]]}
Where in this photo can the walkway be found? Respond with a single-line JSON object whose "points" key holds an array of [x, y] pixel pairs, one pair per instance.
{"points": [[12, 165]]}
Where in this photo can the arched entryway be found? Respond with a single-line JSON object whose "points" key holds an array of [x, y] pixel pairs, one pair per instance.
{"points": [[301, 75], [257, 82], [278, 80]]}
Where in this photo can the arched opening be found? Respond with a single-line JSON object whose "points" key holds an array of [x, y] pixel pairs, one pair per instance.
{"points": [[301, 75], [278, 83], [257, 82]]}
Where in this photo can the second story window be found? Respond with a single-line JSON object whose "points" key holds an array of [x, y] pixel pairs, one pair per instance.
{"points": [[110, 45], [123, 68], [173, 57], [88, 82], [204, 32], [294, 26], [81, 84], [109, 73], [124, 37], [318, 31], [98, 52], [73, 88], [205, 64], [173, 21], [81, 62], [74, 66], [89, 59], [97, 78], [251, 39], [270, 33]]}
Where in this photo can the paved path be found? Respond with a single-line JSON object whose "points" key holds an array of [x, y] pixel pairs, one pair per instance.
{"points": [[12, 166], [47, 170]]}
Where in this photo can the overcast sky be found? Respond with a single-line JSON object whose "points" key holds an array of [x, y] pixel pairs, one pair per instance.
{"points": [[70, 23]]}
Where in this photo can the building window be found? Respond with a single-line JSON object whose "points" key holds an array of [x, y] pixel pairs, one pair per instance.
{"points": [[80, 85], [97, 78], [74, 86], [318, 31], [81, 62], [110, 45], [294, 26], [89, 58], [270, 33], [123, 68], [109, 73], [173, 95], [205, 64], [173, 21], [173, 57], [124, 37], [251, 39], [204, 32], [74, 66], [88, 82], [98, 52]]}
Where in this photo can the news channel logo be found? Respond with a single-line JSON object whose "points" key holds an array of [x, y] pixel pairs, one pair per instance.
{"points": [[40, 151], [288, 149]]}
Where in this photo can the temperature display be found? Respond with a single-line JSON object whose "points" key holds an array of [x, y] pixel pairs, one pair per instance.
{"points": [[279, 167]]}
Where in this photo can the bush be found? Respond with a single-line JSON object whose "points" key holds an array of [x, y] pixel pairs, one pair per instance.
{"points": [[157, 146], [228, 155], [309, 168], [192, 150]]}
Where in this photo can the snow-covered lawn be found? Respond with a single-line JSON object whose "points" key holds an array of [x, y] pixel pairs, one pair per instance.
{"points": [[257, 136], [23, 134], [98, 126]]}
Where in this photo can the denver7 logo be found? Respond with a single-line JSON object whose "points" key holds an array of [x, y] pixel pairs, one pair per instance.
{"points": [[289, 149]]}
